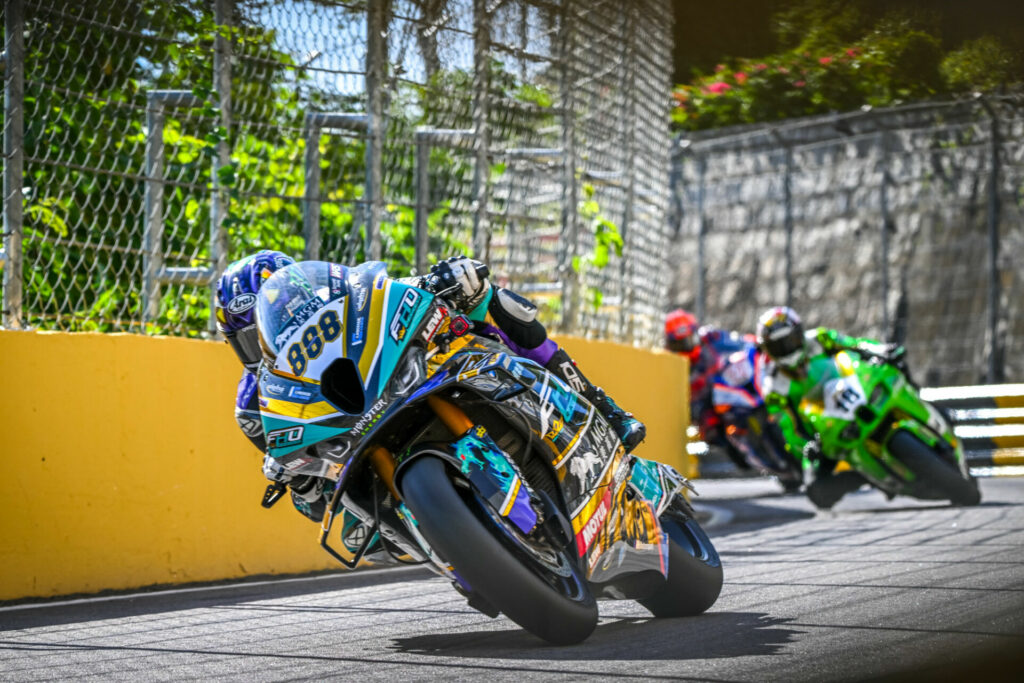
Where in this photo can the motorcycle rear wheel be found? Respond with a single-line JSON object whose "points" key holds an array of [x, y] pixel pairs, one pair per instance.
{"points": [[694, 571], [933, 472], [559, 610]]}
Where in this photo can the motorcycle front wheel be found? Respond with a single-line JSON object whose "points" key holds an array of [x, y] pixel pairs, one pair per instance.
{"points": [[935, 477], [694, 571], [547, 598]]}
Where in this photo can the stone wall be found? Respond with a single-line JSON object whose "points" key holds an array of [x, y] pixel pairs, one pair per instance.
{"points": [[887, 225]]}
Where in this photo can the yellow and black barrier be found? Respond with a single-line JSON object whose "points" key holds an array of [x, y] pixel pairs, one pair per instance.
{"points": [[123, 466], [988, 419]]}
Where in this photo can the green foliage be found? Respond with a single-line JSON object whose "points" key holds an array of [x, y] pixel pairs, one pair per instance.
{"points": [[607, 239], [838, 59]]}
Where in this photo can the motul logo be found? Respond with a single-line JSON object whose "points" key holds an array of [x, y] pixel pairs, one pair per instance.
{"points": [[595, 523]]}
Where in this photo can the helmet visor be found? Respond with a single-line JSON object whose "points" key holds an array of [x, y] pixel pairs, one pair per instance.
{"points": [[246, 344], [784, 343], [682, 344]]}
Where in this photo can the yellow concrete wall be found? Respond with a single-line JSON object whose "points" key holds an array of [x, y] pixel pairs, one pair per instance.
{"points": [[123, 466]]}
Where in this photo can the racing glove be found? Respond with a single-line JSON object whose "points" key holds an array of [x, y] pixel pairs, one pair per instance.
{"points": [[462, 279]]}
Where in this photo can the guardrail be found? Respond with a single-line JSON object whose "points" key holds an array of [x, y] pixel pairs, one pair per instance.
{"points": [[988, 420]]}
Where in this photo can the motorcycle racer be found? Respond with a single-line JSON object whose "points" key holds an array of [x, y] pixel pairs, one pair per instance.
{"points": [[496, 311], [781, 335], [707, 347]]}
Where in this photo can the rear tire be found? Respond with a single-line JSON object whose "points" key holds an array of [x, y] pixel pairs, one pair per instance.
{"points": [[561, 611], [936, 478], [694, 571]]}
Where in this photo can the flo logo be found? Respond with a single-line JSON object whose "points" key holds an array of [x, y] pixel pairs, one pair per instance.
{"points": [[403, 316], [282, 438]]}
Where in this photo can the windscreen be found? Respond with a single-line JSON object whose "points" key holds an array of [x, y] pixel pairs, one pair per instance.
{"points": [[288, 298]]}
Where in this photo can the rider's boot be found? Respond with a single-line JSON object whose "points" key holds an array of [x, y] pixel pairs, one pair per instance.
{"points": [[825, 491], [630, 430]]}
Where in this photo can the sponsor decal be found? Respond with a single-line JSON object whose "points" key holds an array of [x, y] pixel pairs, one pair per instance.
{"points": [[379, 282], [403, 316], [300, 393], [370, 417], [434, 323], [298, 462], [241, 303], [282, 438], [583, 466], [593, 526], [335, 270], [358, 335], [360, 294], [572, 376], [275, 389], [251, 426], [304, 313]]}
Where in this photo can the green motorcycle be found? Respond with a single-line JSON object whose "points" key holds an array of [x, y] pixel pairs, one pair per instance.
{"points": [[868, 415]]}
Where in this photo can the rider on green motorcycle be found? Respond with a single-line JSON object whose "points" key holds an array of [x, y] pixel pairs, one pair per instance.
{"points": [[781, 335]]}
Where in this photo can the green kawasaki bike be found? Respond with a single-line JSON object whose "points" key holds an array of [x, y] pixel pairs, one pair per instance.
{"points": [[867, 414]]}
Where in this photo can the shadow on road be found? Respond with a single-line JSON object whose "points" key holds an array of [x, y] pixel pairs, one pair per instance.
{"points": [[709, 636]]}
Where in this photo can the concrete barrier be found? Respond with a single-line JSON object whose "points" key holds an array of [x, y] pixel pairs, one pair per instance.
{"points": [[123, 466]]}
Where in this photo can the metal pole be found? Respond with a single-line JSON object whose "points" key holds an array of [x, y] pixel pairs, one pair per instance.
{"points": [[702, 231], [887, 226], [152, 236], [220, 200], [629, 145], [788, 198], [995, 352], [481, 101], [311, 207], [422, 164], [570, 189], [376, 54], [14, 158]]}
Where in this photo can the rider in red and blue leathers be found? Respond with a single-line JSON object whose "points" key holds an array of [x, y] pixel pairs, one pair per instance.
{"points": [[707, 348]]}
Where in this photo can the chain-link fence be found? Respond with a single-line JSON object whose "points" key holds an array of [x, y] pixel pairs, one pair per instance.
{"points": [[902, 224], [149, 142]]}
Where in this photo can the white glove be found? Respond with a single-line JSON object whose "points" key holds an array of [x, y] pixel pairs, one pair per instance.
{"points": [[273, 470], [466, 273]]}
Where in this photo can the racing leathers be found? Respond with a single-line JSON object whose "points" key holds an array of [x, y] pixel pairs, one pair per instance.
{"points": [[716, 345]]}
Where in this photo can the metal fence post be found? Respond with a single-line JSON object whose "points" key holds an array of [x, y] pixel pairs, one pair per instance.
{"points": [[153, 232], [481, 108], [14, 162], [887, 227], [314, 123], [220, 199], [702, 231], [787, 198], [422, 168], [995, 351], [376, 56], [570, 188], [629, 144], [153, 271]]}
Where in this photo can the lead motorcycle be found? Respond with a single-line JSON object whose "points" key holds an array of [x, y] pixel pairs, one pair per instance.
{"points": [[459, 455]]}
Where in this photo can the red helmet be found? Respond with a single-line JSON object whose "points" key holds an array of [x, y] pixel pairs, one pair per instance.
{"points": [[681, 333]]}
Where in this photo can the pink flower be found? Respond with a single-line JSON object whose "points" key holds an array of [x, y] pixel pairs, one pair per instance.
{"points": [[799, 84], [825, 61], [852, 52], [718, 87], [760, 67], [740, 77], [783, 70], [719, 68]]}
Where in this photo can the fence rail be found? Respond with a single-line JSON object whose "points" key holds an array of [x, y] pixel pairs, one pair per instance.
{"points": [[190, 133]]}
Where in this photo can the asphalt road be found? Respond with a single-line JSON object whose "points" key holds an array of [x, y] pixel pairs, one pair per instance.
{"points": [[892, 590]]}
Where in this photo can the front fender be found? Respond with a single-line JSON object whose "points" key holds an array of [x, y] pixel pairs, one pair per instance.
{"points": [[488, 469]]}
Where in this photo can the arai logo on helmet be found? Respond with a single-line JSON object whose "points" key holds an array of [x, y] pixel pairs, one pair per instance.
{"points": [[241, 303]]}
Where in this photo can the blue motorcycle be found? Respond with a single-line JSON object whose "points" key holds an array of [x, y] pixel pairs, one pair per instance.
{"points": [[459, 455]]}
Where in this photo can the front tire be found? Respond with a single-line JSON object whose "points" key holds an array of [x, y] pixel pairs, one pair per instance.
{"points": [[694, 571], [557, 609], [936, 478]]}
